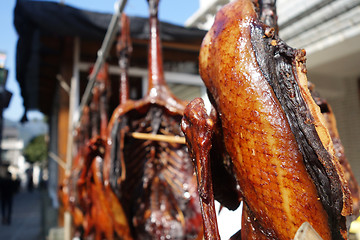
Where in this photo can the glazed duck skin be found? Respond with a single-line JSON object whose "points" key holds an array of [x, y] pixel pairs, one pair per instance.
{"points": [[330, 120], [283, 75], [153, 180], [282, 153]]}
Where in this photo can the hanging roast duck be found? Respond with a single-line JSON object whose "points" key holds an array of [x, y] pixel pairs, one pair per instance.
{"points": [[97, 222], [145, 165], [76, 191], [69, 194], [267, 131], [330, 122], [83, 193], [105, 215]]}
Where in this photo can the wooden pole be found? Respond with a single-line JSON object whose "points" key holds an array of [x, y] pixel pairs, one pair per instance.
{"points": [[73, 104]]}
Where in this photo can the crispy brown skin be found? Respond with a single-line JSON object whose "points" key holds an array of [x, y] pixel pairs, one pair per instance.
{"points": [[153, 180], [267, 162], [330, 119], [269, 167], [199, 128], [96, 212]]}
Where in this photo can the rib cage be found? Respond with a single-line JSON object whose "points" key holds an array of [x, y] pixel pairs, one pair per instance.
{"points": [[153, 179]]}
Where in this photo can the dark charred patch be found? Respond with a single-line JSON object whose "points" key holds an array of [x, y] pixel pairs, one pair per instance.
{"points": [[277, 63]]}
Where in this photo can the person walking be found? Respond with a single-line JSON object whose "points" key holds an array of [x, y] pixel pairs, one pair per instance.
{"points": [[8, 187], [30, 182]]}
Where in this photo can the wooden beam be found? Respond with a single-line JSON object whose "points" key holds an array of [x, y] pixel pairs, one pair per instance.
{"points": [[66, 67]]}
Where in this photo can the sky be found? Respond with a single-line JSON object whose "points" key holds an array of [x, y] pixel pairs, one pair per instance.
{"points": [[173, 11]]}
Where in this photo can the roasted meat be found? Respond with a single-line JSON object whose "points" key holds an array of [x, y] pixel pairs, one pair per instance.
{"points": [[330, 121], [70, 196], [97, 215], [152, 178], [281, 152], [104, 215]]}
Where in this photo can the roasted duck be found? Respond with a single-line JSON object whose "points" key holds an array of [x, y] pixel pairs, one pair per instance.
{"points": [[266, 130], [105, 215], [83, 192], [77, 190], [69, 194], [124, 51], [330, 121], [89, 185], [153, 178]]}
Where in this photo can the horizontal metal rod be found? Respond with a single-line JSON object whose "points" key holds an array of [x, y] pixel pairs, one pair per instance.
{"points": [[171, 77]]}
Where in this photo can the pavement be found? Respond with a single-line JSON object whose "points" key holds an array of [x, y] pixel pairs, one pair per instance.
{"points": [[26, 218]]}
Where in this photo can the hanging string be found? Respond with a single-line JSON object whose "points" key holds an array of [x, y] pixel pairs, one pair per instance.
{"points": [[103, 52]]}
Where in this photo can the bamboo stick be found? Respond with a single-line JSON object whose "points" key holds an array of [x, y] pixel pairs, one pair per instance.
{"points": [[158, 137]]}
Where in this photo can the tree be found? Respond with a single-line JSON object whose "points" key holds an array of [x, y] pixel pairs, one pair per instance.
{"points": [[36, 150]]}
